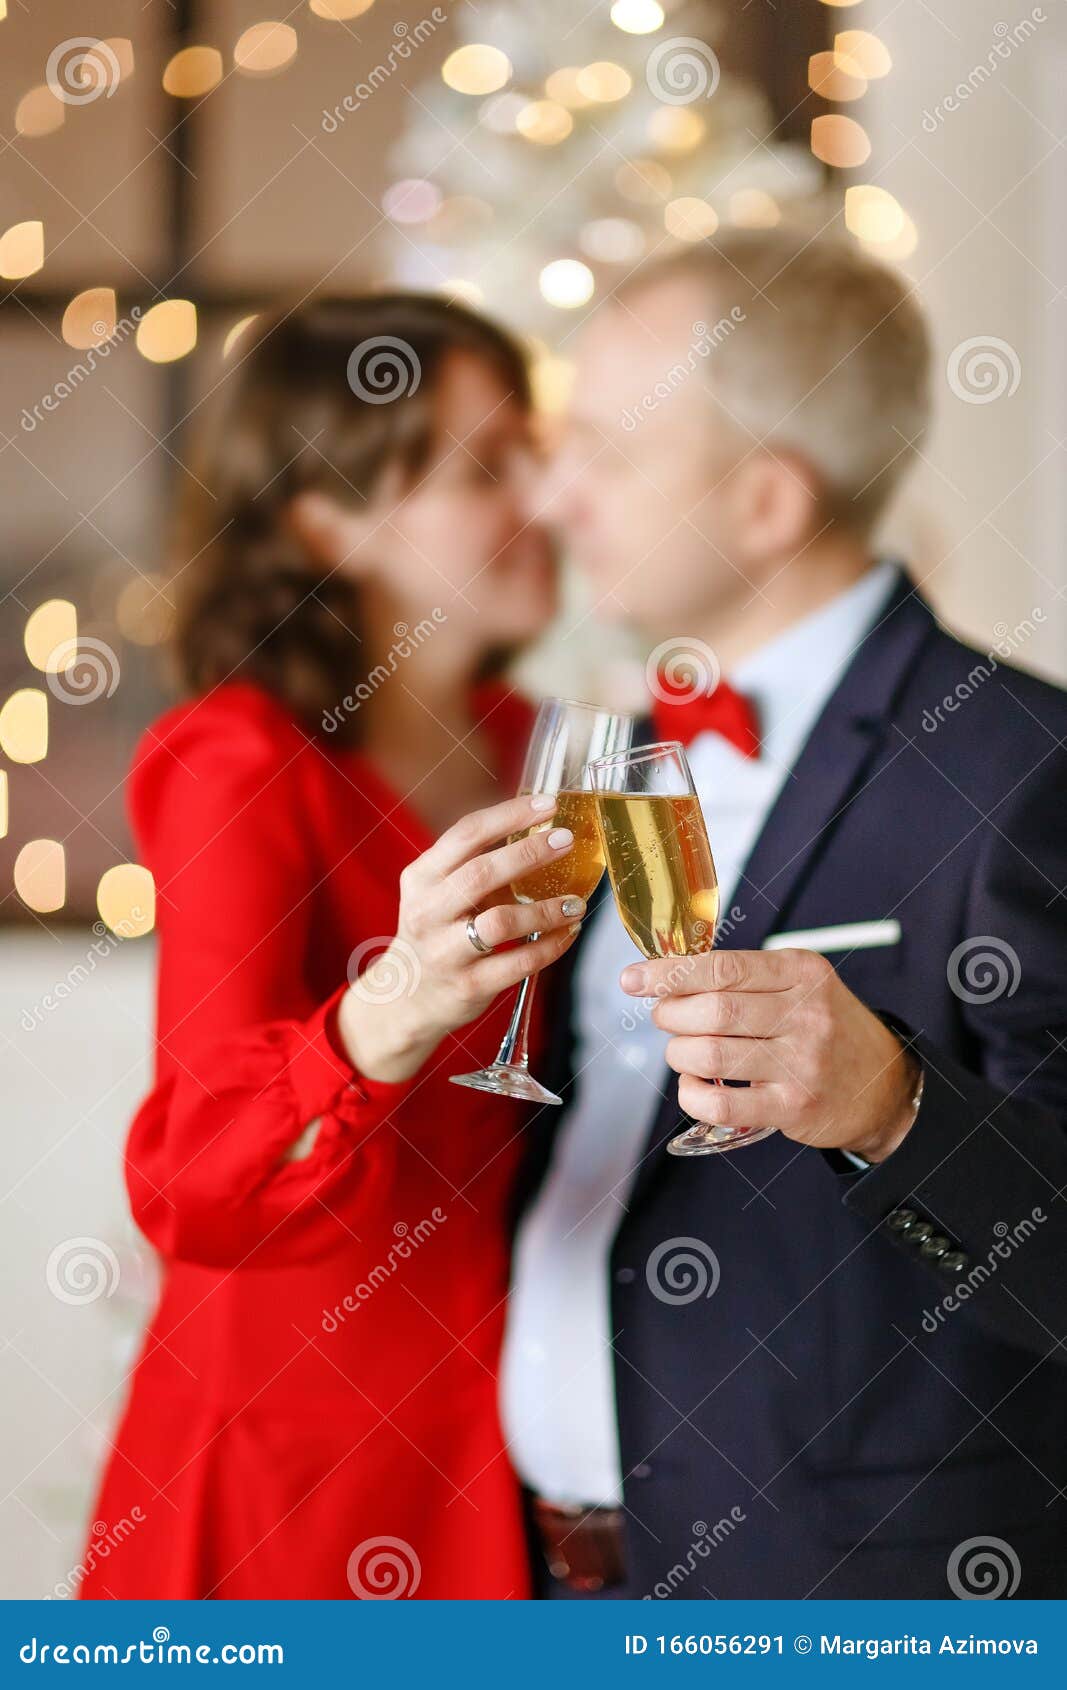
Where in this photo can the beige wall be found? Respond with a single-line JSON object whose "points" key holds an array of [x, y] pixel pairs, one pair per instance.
{"points": [[986, 186]]}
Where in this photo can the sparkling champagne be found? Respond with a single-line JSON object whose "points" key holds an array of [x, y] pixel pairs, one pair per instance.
{"points": [[661, 870], [576, 874]]}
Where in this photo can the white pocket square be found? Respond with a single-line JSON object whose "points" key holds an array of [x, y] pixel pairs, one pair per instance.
{"points": [[850, 936]]}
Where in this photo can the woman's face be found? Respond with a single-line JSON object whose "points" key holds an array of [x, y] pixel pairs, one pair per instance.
{"points": [[457, 540]]}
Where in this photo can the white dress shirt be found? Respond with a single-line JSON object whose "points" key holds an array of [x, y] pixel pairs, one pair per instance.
{"points": [[557, 1379]]}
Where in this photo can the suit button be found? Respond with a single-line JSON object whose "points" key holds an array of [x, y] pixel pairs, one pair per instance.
{"points": [[624, 1276], [920, 1232], [641, 1471], [901, 1219], [954, 1262], [934, 1247]]}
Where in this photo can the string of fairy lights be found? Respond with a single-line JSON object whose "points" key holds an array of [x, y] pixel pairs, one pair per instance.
{"points": [[542, 117]]}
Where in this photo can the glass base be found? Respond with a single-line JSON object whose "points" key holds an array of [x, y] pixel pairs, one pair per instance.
{"points": [[507, 1079], [711, 1141]]}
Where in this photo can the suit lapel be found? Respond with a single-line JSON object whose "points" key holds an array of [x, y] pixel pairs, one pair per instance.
{"points": [[827, 776]]}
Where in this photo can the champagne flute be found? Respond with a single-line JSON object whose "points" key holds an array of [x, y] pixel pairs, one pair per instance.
{"points": [[663, 877], [566, 738]]}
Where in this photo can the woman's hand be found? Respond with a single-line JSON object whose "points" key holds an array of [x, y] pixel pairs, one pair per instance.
{"points": [[447, 983]]}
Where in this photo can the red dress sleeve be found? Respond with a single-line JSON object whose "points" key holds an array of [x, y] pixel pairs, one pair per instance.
{"points": [[246, 1060]]}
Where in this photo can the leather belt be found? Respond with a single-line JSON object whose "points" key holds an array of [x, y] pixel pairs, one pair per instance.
{"points": [[582, 1547]]}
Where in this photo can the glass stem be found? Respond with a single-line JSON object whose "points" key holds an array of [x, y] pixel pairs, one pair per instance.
{"points": [[514, 1052]]}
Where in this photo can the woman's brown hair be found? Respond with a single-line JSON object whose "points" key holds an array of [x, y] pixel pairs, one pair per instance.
{"points": [[327, 397]]}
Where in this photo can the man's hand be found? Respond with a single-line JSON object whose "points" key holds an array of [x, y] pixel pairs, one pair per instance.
{"points": [[821, 1067]]}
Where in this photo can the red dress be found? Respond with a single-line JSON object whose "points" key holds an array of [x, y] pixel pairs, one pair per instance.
{"points": [[314, 1410]]}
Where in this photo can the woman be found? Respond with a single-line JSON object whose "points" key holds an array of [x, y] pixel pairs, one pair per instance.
{"points": [[313, 1413]]}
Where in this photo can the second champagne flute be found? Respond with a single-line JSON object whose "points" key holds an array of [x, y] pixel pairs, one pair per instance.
{"points": [[663, 877], [566, 736]]}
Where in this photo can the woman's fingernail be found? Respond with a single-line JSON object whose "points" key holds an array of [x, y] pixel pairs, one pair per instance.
{"points": [[631, 979], [573, 906], [543, 801], [560, 837]]}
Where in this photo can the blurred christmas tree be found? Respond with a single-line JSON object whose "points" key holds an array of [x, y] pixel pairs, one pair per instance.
{"points": [[560, 144]]}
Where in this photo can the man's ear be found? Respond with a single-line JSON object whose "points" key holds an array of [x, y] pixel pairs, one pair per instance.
{"points": [[325, 531], [781, 496]]}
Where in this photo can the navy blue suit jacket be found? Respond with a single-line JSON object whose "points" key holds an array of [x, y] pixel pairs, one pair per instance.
{"points": [[833, 1413]]}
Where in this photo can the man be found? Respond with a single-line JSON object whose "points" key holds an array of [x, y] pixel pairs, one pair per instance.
{"points": [[828, 1363]]}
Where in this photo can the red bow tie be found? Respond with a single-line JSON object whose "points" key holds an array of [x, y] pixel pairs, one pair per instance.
{"points": [[676, 714]]}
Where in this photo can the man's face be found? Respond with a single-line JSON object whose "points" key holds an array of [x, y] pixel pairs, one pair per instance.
{"points": [[638, 486]]}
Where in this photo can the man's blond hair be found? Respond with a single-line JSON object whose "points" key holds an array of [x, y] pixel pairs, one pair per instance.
{"points": [[816, 349]]}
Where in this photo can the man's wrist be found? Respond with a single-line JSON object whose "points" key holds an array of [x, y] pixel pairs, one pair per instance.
{"points": [[888, 1138]]}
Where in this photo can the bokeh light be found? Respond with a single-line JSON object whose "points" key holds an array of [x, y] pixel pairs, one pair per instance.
{"points": [[24, 726], [22, 250], [265, 48], [167, 331], [567, 283], [40, 875], [51, 636], [193, 72], [126, 900], [476, 69], [90, 318], [839, 141]]}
